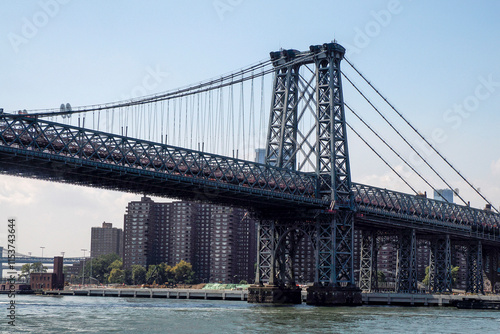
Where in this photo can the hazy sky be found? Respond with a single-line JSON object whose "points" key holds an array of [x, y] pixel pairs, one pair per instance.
{"points": [[438, 62]]}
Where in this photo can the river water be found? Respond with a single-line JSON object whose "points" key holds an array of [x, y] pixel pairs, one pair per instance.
{"points": [[80, 314]]}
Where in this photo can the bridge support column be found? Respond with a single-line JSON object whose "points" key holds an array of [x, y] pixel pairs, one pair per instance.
{"points": [[265, 251], [334, 279], [276, 250], [406, 270], [495, 271], [368, 278], [491, 268], [475, 283], [440, 265]]}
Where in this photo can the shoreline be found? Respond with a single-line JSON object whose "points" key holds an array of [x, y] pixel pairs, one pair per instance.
{"points": [[374, 298]]}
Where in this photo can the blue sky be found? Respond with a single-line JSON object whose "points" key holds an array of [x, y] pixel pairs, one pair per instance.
{"points": [[429, 58]]}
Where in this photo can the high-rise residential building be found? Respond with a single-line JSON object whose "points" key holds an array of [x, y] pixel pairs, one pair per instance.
{"points": [[233, 245], [160, 233], [201, 262], [182, 222], [106, 240], [305, 261], [139, 233], [220, 242]]}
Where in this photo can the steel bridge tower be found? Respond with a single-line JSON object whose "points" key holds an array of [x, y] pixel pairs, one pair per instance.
{"points": [[307, 132]]}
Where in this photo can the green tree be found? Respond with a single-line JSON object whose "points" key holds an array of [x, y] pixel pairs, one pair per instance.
{"points": [[380, 276], [28, 268], [117, 264], [138, 274], [116, 276], [38, 267], [169, 275], [454, 273], [99, 268], [427, 278], [183, 272], [25, 271], [128, 276], [156, 274]]}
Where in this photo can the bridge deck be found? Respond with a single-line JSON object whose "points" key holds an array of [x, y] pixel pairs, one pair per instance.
{"points": [[65, 153], [58, 152]]}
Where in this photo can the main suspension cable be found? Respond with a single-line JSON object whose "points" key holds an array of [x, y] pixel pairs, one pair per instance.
{"points": [[393, 150], [405, 140], [381, 158], [421, 136]]}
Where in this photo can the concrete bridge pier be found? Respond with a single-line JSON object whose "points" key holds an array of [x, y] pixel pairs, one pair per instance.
{"points": [[334, 296], [272, 294]]}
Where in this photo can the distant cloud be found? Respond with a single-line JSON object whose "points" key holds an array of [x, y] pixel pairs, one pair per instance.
{"points": [[55, 215]]}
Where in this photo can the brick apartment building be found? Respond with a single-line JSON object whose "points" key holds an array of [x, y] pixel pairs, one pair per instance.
{"points": [[106, 240], [49, 281], [220, 242]]}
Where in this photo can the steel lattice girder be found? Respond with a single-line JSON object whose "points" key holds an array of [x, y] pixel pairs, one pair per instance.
{"points": [[368, 279], [440, 265], [406, 271], [53, 143], [334, 232], [285, 256], [324, 252], [282, 135], [475, 282], [72, 145], [343, 248], [265, 251], [277, 242], [373, 200], [334, 249], [332, 154], [330, 145]]}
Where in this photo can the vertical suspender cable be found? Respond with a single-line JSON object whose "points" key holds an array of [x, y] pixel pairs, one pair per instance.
{"points": [[262, 107], [241, 122], [251, 120]]}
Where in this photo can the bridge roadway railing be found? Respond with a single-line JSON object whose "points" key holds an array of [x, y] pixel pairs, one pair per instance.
{"points": [[29, 135], [398, 205]]}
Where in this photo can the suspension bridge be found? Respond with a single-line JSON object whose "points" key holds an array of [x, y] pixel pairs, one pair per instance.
{"points": [[20, 259], [196, 143]]}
